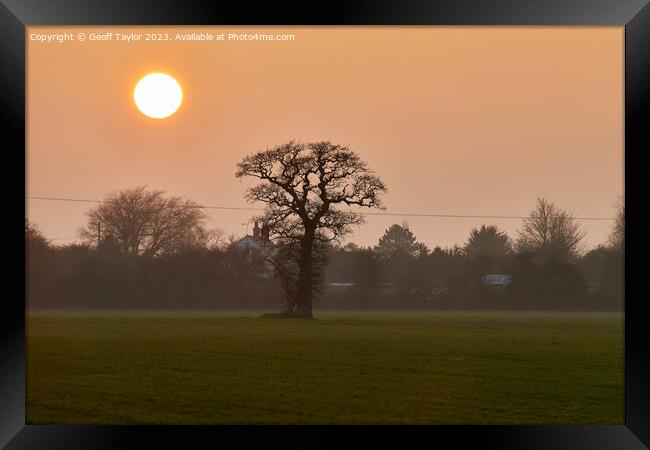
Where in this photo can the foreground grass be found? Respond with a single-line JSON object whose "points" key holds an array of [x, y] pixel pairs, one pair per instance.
{"points": [[121, 368]]}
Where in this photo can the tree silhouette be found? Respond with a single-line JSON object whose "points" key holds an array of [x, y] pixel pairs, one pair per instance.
{"points": [[38, 267], [398, 250], [399, 240], [34, 239], [551, 233], [487, 248], [303, 186], [617, 235], [145, 222], [487, 241]]}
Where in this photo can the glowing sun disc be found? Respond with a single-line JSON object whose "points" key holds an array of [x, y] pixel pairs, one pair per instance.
{"points": [[158, 95]]}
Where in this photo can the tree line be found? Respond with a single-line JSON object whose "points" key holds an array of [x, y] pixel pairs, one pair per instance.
{"points": [[545, 267], [144, 249]]}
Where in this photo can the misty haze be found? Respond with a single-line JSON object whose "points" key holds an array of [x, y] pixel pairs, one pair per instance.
{"points": [[355, 225]]}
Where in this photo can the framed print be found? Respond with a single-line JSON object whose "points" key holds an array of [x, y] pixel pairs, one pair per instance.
{"points": [[248, 219]]}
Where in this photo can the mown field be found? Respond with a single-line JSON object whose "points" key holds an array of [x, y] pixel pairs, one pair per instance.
{"points": [[429, 368]]}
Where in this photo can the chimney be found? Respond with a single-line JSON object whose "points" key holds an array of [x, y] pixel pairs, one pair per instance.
{"points": [[256, 231], [265, 232]]}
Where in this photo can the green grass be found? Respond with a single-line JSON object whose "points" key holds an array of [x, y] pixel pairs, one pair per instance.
{"points": [[444, 368]]}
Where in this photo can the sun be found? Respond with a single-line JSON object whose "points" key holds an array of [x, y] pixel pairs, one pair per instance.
{"points": [[158, 95]]}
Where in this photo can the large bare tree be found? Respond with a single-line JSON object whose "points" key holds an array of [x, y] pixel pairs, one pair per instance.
{"points": [[551, 233], [303, 186], [145, 222]]}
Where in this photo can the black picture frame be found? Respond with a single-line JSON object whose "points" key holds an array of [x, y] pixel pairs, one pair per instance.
{"points": [[15, 15]]}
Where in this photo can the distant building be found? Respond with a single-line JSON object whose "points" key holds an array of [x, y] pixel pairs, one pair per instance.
{"points": [[258, 242], [248, 242], [497, 281], [342, 284], [339, 286]]}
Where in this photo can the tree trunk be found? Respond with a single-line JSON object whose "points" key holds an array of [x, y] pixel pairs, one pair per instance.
{"points": [[305, 276]]}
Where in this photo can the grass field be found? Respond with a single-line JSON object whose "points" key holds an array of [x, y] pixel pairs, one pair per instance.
{"points": [[451, 368]]}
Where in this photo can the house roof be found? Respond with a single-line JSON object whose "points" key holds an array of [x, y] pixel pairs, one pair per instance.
{"points": [[248, 241], [497, 279]]}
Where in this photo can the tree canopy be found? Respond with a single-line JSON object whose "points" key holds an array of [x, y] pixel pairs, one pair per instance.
{"points": [[143, 222], [550, 233], [399, 240], [487, 241]]}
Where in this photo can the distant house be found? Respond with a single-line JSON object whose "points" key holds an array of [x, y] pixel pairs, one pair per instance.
{"points": [[341, 284], [497, 281], [248, 242], [258, 242]]}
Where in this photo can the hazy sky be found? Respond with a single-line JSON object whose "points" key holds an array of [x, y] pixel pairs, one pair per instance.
{"points": [[455, 120]]}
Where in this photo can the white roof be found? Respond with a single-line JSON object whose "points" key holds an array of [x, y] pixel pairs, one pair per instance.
{"points": [[248, 242], [496, 279]]}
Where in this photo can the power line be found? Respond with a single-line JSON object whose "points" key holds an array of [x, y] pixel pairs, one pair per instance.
{"points": [[104, 201], [469, 216], [235, 208]]}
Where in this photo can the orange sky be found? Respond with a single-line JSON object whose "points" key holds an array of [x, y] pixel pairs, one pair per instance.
{"points": [[455, 120]]}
